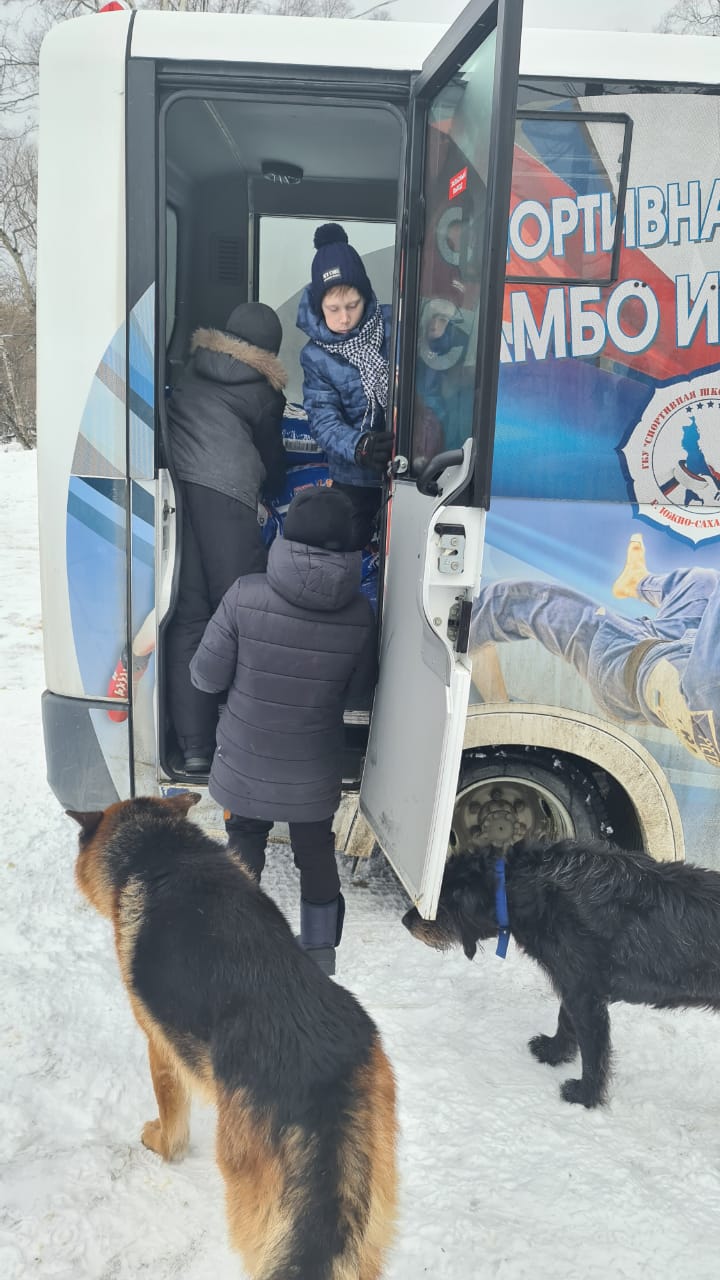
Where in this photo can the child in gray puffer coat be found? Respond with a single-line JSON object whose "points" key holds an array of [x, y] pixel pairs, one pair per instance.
{"points": [[225, 425], [293, 646]]}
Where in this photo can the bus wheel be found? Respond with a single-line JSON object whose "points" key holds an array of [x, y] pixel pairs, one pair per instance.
{"points": [[510, 793]]}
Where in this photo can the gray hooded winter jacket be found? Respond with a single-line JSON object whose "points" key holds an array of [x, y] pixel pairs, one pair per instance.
{"points": [[225, 417], [293, 646]]}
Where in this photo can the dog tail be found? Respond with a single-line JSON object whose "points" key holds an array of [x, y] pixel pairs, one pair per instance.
{"points": [[342, 1231], [367, 1183], [321, 1204]]}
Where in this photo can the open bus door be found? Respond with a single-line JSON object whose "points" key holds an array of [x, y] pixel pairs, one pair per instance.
{"points": [[457, 194]]}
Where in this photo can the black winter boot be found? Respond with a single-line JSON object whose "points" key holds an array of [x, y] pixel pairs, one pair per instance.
{"points": [[197, 755], [321, 928]]}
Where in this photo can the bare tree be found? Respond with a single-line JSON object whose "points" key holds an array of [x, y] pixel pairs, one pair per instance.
{"points": [[17, 368], [18, 201], [202, 6], [310, 9], [699, 16], [273, 8], [18, 205], [378, 11], [20, 40]]}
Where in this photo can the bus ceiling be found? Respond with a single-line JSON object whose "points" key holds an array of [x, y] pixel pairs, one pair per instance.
{"points": [[355, 147]]}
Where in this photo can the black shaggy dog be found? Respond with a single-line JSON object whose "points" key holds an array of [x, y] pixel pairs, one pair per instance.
{"points": [[605, 925], [233, 1008]]}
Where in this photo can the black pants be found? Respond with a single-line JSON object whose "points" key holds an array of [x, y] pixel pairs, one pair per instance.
{"points": [[313, 846], [221, 541], [366, 504]]}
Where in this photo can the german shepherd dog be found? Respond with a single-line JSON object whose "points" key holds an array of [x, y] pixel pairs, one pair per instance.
{"points": [[605, 924], [232, 1007]]}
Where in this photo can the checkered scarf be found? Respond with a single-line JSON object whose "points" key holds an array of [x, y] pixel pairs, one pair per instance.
{"points": [[363, 351]]}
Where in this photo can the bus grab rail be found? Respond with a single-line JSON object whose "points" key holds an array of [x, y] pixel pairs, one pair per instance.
{"points": [[427, 480]]}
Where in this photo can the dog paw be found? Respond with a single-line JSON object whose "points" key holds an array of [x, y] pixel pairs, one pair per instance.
{"points": [[152, 1138], [169, 1144], [548, 1049], [578, 1091]]}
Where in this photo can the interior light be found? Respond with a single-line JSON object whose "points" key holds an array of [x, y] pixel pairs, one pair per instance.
{"points": [[280, 171]]}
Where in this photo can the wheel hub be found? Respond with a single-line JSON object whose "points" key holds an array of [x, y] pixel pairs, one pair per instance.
{"points": [[501, 811], [499, 820]]}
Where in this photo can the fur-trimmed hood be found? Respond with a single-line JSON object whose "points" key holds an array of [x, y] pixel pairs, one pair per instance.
{"points": [[226, 355], [225, 417]]}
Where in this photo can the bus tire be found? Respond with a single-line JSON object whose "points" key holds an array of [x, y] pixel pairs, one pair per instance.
{"points": [[506, 794]]}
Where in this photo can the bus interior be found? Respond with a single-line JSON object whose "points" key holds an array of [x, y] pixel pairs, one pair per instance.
{"points": [[248, 177], [250, 172]]}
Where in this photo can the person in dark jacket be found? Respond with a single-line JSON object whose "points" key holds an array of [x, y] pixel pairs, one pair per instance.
{"points": [[225, 425], [345, 368], [293, 647]]}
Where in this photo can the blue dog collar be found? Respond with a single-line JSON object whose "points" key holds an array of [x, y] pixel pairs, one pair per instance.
{"points": [[501, 909]]}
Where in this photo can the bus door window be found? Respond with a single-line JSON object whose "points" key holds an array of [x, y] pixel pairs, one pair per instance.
{"points": [[171, 267], [455, 189]]}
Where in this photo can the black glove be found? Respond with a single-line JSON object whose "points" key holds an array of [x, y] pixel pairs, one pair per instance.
{"points": [[374, 449]]}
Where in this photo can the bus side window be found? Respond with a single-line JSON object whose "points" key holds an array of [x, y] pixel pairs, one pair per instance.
{"points": [[568, 197]]}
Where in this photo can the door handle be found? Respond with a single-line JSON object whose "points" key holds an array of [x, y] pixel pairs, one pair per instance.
{"points": [[427, 480]]}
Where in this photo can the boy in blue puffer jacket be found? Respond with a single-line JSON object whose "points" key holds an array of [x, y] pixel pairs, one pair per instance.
{"points": [[345, 367]]}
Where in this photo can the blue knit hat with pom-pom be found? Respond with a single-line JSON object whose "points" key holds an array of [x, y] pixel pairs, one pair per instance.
{"points": [[335, 263]]}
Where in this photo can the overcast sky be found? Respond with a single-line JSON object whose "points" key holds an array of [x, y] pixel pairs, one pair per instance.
{"points": [[616, 15]]}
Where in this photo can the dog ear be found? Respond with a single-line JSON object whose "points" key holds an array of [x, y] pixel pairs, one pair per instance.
{"points": [[474, 907], [87, 822], [183, 801], [462, 905], [469, 942]]}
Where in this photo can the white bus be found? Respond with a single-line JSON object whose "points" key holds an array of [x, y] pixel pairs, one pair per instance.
{"points": [[545, 225]]}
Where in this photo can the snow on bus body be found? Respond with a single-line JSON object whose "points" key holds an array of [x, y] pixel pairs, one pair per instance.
{"points": [[308, 467]]}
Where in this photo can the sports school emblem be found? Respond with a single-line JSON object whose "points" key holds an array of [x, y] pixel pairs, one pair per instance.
{"points": [[673, 458]]}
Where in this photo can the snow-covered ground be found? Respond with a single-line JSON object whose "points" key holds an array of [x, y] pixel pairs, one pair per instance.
{"points": [[500, 1178]]}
